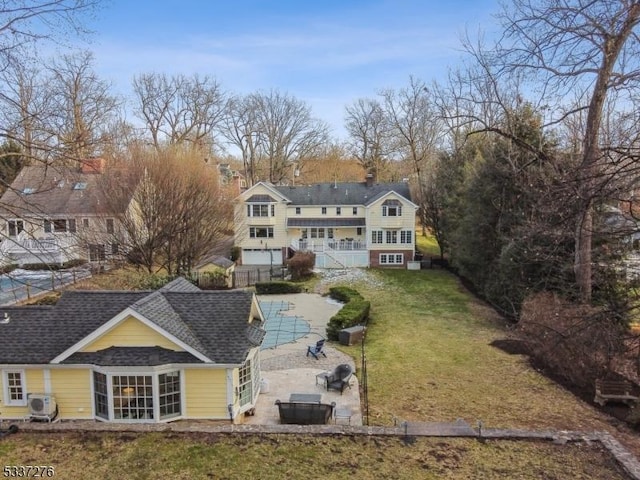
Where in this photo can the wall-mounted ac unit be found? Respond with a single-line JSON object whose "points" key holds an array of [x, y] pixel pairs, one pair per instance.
{"points": [[42, 405]]}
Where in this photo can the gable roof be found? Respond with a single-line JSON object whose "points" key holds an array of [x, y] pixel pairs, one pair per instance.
{"points": [[54, 190], [350, 193], [214, 324]]}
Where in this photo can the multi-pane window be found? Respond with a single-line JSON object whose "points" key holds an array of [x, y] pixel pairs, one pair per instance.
{"points": [[97, 253], [391, 259], [391, 210], [298, 210], [259, 210], [273, 210], [85, 223], [406, 236], [60, 225], [324, 210], [338, 211], [110, 225], [329, 232], [359, 231], [376, 236], [15, 227], [392, 236], [101, 395], [14, 388], [317, 232], [169, 394], [245, 392], [260, 232], [132, 397], [355, 210]]}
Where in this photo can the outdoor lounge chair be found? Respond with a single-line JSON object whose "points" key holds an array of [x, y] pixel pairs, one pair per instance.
{"points": [[316, 349], [339, 378]]}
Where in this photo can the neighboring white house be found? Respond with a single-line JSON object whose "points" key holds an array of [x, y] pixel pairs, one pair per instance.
{"points": [[54, 215], [356, 224]]}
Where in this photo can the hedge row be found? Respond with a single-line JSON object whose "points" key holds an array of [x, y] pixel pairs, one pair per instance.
{"points": [[271, 288], [355, 311]]}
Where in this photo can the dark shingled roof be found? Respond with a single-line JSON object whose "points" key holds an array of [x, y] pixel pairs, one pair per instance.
{"points": [[214, 323], [353, 193], [131, 356], [325, 222], [54, 193], [261, 199]]}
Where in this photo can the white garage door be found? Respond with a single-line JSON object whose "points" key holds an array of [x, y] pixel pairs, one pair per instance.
{"points": [[262, 257]]}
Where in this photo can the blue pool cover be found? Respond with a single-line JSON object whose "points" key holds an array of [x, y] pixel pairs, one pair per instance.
{"points": [[281, 328]]}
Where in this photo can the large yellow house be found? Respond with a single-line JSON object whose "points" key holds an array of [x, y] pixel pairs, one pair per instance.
{"points": [[114, 356], [355, 224]]}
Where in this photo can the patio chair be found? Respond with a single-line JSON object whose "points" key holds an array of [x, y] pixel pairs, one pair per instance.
{"points": [[339, 378], [316, 349]]}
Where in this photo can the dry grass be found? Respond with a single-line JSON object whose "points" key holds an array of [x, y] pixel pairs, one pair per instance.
{"points": [[199, 456]]}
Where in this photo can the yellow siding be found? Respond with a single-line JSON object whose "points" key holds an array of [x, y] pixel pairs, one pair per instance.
{"points": [[206, 393], [34, 379], [72, 389], [278, 222], [375, 221], [131, 332]]}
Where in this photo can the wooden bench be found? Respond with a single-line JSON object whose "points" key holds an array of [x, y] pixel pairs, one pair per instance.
{"points": [[614, 390]]}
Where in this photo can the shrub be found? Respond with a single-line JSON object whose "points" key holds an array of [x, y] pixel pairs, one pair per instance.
{"points": [[272, 288], [575, 341], [8, 268], [343, 294], [301, 265], [235, 253], [355, 311]]}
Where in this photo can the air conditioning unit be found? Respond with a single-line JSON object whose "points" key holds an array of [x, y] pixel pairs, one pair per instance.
{"points": [[42, 405]]}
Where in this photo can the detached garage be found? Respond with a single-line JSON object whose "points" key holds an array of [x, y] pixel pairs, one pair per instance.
{"points": [[261, 256]]}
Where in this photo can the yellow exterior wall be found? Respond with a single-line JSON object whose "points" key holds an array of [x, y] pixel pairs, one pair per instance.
{"points": [[131, 332], [375, 221], [34, 380], [72, 389], [242, 222], [206, 393]]}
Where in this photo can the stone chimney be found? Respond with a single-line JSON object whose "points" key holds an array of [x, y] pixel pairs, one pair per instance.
{"points": [[92, 165]]}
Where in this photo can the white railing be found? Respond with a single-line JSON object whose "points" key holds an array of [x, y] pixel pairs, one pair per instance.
{"points": [[329, 245], [38, 245]]}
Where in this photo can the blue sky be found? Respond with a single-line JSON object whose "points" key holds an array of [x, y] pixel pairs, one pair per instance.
{"points": [[326, 53]]}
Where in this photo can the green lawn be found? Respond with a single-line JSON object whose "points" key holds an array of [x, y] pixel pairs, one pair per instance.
{"points": [[429, 359]]}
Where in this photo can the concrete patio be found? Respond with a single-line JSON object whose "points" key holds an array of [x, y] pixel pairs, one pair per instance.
{"points": [[286, 368]]}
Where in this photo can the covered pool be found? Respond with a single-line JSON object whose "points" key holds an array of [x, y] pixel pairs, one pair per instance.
{"points": [[281, 328]]}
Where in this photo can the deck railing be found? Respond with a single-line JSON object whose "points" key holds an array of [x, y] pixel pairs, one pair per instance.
{"points": [[347, 244]]}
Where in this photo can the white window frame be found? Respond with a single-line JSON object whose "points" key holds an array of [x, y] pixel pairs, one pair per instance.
{"points": [[260, 210], [355, 210], [298, 210], [338, 210], [391, 259], [323, 210], [253, 232], [406, 236], [391, 237], [392, 210], [155, 394], [23, 386], [376, 236]]}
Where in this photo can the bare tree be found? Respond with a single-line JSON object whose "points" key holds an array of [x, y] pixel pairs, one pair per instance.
{"points": [[369, 134], [179, 110], [174, 209], [273, 130], [24, 22], [82, 106], [415, 129], [240, 128]]}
